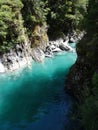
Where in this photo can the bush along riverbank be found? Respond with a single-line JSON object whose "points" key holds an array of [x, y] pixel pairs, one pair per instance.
{"points": [[83, 77]]}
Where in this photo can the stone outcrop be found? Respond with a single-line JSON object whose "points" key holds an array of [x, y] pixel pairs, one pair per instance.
{"points": [[37, 48], [16, 58], [39, 42]]}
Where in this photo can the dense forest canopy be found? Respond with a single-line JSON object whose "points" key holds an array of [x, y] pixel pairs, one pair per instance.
{"points": [[19, 17], [11, 23]]}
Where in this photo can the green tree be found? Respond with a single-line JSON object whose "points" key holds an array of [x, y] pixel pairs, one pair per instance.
{"points": [[11, 24], [34, 13], [65, 15], [61, 15]]}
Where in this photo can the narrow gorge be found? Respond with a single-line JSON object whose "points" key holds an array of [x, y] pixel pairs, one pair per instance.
{"points": [[48, 65]]}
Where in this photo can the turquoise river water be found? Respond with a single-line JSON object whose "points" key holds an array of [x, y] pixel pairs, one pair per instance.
{"points": [[34, 98]]}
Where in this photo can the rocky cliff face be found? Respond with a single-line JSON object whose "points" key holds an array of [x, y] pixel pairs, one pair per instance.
{"points": [[81, 73], [36, 48], [15, 58], [39, 42], [22, 54]]}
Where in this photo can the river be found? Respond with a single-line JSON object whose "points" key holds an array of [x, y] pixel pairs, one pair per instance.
{"points": [[34, 98]]}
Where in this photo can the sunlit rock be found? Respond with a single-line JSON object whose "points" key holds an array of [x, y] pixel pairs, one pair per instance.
{"points": [[2, 68]]}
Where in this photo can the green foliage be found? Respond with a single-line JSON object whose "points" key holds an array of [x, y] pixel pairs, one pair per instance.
{"points": [[34, 13], [61, 15], [95, 84], [89, 110], [15, 15], [10, 24], [89, 113], [91, 21], [80, 12], [65, 15]]}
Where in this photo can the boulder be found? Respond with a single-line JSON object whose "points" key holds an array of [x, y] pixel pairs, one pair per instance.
{"points": [[56, 50], [63, 48], [38, 54]]}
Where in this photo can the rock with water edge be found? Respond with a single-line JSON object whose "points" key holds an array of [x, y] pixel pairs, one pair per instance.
{"points": [[23, 54]]}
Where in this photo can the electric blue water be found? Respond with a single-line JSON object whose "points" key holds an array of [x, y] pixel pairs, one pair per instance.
{"points": [[34, 99]]}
